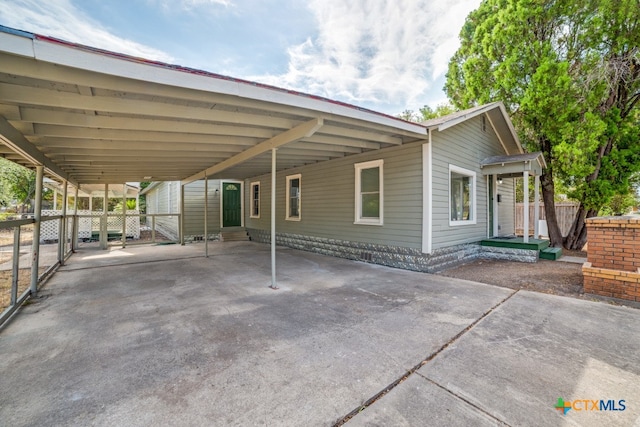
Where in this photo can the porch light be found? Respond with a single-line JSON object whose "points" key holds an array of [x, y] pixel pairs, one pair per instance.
{"points": [[499, 181]]}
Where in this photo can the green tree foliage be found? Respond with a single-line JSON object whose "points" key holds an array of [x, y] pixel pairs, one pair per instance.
{"points": [[569, 75], [17, 184], [426, 113]]}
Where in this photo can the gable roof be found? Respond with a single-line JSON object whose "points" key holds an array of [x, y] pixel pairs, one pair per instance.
{"points": [[514, 165], [93, 116], [498, 119]]}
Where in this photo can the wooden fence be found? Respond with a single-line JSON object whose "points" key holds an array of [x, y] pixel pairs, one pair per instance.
{"points": [[565, 212]]}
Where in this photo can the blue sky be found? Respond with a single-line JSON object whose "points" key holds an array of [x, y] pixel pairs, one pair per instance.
{"points": [[386, 55]]}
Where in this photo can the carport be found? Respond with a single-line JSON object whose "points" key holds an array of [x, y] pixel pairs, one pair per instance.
{"points": [[84, 116]]}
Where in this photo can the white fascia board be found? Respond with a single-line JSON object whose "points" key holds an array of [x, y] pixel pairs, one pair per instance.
{"points": [[458, 120], [105, 64], [17, 45]]}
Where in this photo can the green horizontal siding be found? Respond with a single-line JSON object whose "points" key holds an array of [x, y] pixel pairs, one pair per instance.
{"points": [[328, 199], [464, 145]]}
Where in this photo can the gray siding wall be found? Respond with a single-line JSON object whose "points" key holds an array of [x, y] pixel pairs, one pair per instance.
{"points": [[194, 208], [464, 145], [165, 198], [506, 208], [328, 199]]}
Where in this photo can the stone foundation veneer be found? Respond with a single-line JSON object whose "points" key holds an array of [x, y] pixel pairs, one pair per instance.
{"points": [[613, 258], [394, 256]]}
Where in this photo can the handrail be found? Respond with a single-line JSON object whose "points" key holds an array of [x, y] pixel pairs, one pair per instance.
{"points": [[16, 223]]}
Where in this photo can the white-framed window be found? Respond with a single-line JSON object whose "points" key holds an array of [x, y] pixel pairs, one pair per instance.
{"points": [[369, 193], [294, 200], [462, 196], [255, 199]]}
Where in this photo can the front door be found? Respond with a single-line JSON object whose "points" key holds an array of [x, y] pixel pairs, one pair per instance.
{"points": [[231, 204]]}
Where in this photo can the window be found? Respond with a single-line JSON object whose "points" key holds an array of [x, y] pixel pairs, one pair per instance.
{"points": [[255, 200], [462, 193], [369, 193], [293, 197]]}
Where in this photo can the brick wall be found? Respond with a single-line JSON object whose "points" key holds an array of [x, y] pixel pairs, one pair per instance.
{"points": [[613, 257]]}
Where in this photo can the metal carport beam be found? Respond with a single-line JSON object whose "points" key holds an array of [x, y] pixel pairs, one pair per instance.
{"points": [[303, 130]]}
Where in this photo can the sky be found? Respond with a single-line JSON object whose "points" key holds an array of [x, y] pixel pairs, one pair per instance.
{"points": [[385, 55]]}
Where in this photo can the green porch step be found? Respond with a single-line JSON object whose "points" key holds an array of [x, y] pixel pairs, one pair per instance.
{"points": [[516, 243], [551, 253]]}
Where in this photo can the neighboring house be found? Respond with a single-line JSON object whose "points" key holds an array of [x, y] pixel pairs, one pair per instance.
{"points": [[419, 206]]}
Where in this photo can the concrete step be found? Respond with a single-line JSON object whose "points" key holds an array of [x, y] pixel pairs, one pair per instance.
{"points": [[551, 253], [234, 236]]}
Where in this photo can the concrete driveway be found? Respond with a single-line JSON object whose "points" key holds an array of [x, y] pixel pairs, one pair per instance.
{"points": [[163, 336]]}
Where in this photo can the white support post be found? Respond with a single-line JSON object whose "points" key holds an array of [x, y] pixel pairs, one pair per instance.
{"points": [[104, 228], [124, 215], [274, 285], [525, 187], [536, 207], [55, 199], [181, 214], [35, 244], [76, 220], [62, 238], [206, 214]]}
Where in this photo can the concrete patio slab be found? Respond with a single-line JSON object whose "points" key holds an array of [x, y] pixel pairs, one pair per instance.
{"points": [[535, 348], [419, 402], [162, 336]]}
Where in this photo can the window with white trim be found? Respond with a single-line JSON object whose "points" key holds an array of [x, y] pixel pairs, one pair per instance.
{"points": [[255, 200], [462, 196], [369, 193], [294, 192]]}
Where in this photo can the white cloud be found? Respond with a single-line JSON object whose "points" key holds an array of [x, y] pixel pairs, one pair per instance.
{"points": [[61, 19], [378, 52]]}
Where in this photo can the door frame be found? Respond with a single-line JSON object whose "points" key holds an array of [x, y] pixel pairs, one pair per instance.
{"points": [[231, 181], [492, 206]]}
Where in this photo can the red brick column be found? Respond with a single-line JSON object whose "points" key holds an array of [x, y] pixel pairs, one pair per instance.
{"points": [[613, 257]]}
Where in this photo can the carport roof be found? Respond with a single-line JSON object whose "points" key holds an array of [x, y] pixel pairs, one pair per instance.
{"points": [[93, 116]]}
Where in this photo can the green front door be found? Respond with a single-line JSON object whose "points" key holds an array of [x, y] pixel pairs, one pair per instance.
{"points": [[231, 204]]}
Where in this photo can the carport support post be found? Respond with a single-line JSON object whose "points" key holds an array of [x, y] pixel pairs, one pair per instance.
{"points": [[62, 235], [536, 207], [525, 186], [274, 285], [124, 215], [104, 241], [35, 244], [74, 237], [206, 214], [181, 222]]}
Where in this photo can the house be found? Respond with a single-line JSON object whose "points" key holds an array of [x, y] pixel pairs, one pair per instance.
{"points": [[344, 180], [420, 206]]}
